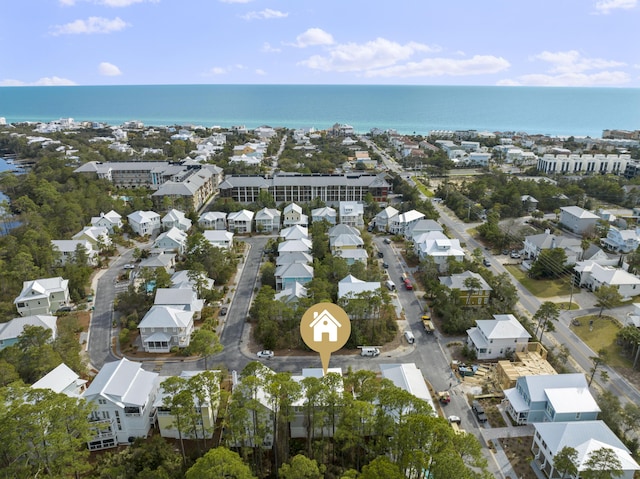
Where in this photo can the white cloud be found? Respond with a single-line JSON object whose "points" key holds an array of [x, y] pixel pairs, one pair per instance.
{"points": [[606, 6], [372, 55], [572, 62], [236, 1], [265, 14], [312, 37], [109, 69], [605, 78], [432, 67], [268, 48], [44, 81], [90, 26], [260, 71], [218, 71]]}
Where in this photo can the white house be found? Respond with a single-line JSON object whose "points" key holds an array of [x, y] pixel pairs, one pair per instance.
{"points": [[123, 395], [383, 219], [96, 235], [439, 247], [42, 296], [577, 219], [144, 223], [172, 240], [352, 213], [240, 221], [498, 337], [110, 220], [585, 437], [295, 233], [350, 287], [292, 294], [293, 216], [62, 380], [11, 330], [267, 220], [407, 376], [176, 219], [592, 276], [551, 398], [623, 241], [535, 244], [166, 261], [68, 249], [294, 257], [325, 213], [164, 327], [341, 229], [402, 223], [219, 239], [299, 422], [291, 246], [179, 298], [184, 280], [423, 226], [213, 220]]}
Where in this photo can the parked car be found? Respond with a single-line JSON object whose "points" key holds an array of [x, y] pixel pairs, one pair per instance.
{"points": [[385, 265], [486, 262], [129, 266], [515, 255], [479, 412], [223, 311], [454, 419], [380, 254], [505, 251], [266, 354]]}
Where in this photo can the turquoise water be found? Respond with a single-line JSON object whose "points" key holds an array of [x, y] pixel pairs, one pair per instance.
{"points": [[407, 109]]}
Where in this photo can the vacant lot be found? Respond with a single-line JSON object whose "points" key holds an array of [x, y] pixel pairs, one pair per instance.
{"points": [[542, 288]]}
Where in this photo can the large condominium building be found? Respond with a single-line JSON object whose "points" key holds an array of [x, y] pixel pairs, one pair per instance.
{"points": [[579, 164], [300, 188]]}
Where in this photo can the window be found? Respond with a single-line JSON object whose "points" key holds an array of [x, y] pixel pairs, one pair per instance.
{"points": [[102, 401]]}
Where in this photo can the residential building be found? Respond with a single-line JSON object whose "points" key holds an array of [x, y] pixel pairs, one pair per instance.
{"points": [[325, 213], [194, 280], [302, 188], [176, 219], [213, 220], [529, 203], [192, 190], [68, 251], [292, 294], [439, 247], [165, 327], [123, 395], [267, 220], [352, 214], [294, 233], [42, 296], [498, 337], [166, 261], [98, 236], [293, 216], [585, 437], [299, 422], [350, 287], [408, 377], [11, 330], [621, 241], [240, 221], [62, 380], [535, 244], [294, 257], [477, 296], [383, 219], [288, 274], [592, 276], [402, 223], [291, 246], [185, 299], [551, 398], [110, 220], [339, 244], [422, 227], [205, 405], [341, 229], [144, 223], [578, 220], [219, 239], [174, 240], [572, 164]]}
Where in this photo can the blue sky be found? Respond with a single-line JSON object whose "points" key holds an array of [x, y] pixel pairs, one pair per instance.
{"points": [[590, 43]]}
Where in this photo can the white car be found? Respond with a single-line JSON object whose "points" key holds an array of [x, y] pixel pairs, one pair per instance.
{"points": [[454, 419], [129, 266], [266, 354], [515, 255]]}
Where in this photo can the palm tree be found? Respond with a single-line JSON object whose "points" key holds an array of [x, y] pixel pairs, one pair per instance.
{"points": [[548, 311], [472, 284]]}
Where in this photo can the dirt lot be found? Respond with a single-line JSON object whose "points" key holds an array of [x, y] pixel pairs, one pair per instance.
{"points": [[518, 450]]}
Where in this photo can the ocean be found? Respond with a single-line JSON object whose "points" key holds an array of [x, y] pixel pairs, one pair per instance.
{"points": [[407, 109]]}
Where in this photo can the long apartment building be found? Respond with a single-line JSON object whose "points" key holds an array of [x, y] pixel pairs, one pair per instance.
{"points": [[580, 164], [301, 188]]}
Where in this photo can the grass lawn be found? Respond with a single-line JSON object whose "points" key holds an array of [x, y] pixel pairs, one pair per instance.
{"points": [[602, 336], [423, 189], [542, 288]]}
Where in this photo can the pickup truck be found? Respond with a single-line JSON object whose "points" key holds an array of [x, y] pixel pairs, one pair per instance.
{"points": [[479, 412], [428, 325]]}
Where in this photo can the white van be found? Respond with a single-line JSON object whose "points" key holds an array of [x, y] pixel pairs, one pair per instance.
{"points": [[408, 335], [390, 285], [369, 351]]}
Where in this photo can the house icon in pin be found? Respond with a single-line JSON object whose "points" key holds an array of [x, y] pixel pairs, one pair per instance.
{"points": [[324, 323]]}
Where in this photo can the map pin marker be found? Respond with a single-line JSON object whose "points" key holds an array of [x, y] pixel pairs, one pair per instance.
{"points": [[325, 328]]}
